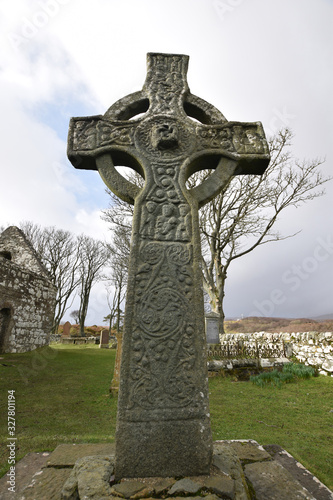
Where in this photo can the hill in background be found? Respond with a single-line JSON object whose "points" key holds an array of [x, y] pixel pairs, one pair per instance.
{"points": [[324, 317], [273, 325]]}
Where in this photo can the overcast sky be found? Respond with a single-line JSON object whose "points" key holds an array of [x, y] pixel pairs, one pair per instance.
{"points": [[255, 60]]}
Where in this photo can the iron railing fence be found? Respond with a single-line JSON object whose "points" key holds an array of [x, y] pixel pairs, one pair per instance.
{"points": [[247, 349]]}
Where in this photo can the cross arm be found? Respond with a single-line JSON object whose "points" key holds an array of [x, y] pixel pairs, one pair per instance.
{"points": [[244, 143], [229, 148], [92, 136], [96, 143]]}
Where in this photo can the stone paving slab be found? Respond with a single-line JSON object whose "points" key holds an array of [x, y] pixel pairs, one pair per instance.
{"points": [[226, 461], [65, 455], [240, 470], [249, 451], [271, 481], [303, 476], [24, 470], [185, 486], [128, 489], [222, 486], [45, 485], [163, 485], [90, 478]]}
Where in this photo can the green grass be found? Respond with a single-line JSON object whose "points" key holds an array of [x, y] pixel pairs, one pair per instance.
{"points": [[62, 396], [297, 417]]}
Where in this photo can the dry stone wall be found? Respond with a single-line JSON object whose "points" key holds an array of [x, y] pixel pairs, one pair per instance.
{"points": [[310, 348], [55, 338]]}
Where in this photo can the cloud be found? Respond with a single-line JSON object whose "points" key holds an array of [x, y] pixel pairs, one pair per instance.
{"points": [[255, 61], [41, 185], [90, 223]]}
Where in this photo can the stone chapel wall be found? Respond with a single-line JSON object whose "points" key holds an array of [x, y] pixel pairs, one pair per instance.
{"points": [[27, 296], [30, 302]]}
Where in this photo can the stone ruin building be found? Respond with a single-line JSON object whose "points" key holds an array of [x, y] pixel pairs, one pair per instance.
{"points": [[27, 295]]}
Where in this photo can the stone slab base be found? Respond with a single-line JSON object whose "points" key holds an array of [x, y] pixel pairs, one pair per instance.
{"points": [[241, 470]]}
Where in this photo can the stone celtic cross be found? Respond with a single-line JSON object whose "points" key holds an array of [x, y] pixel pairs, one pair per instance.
{"points": [[163, 424]]}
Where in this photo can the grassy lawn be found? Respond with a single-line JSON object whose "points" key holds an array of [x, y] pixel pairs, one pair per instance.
{"points": [[297, 417], [62, 396]]}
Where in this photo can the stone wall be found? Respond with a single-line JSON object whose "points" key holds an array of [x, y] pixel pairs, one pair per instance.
{"points": [[55, 338], [27, 296], [310, 348], [15, 247], [29, 301], [79, 340]]}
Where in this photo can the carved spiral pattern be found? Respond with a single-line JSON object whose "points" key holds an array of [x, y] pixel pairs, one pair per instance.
{"points": [[179, 254], [161, 312], [163, 370], [152, 253]]}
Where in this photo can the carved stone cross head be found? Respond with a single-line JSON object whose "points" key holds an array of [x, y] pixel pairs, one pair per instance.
{"points": [[163, 425], [177, 128]]}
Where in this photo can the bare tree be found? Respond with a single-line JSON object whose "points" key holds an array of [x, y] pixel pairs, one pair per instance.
{"points": [[58, 250], [111, 300], [37, 236], [93, 256], [115, 297], [119, 216], [120, 250], [243, 216], [75, 315], [116, 292]]}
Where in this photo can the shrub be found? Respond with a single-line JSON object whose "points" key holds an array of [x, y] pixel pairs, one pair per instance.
{"points": [[289, 373], [299, 370], [271, 378]]}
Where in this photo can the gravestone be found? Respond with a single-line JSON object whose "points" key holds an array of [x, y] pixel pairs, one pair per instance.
{"points": [[163, 424], [104, 339], [66, 329], [212, 328]]}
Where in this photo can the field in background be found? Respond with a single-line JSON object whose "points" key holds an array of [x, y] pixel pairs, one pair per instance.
{"points": [[245, 325], [62, 396], [276, 325]]}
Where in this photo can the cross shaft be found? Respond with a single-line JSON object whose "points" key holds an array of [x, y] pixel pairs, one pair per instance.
{"points": [[163, 426]]}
